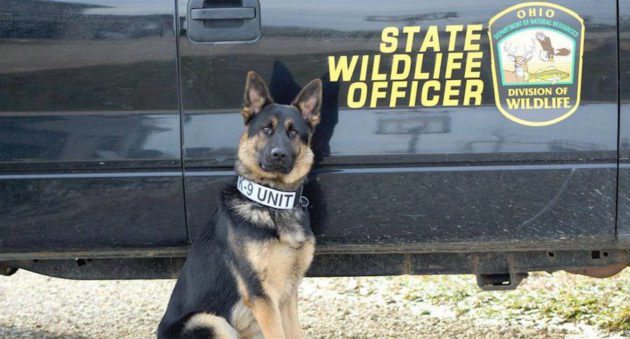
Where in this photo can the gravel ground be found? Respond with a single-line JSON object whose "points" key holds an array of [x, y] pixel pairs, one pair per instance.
{"points": [[545, 306]]}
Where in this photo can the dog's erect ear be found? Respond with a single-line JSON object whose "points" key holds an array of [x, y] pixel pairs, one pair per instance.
{"points": [[256, 96], [309, 102]]}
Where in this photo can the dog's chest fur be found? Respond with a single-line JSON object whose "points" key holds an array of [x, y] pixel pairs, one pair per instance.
{"points": [[280, 261], [280, 265]]}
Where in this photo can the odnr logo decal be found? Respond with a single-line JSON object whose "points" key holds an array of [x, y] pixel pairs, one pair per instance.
{"points": [[536, 50]]}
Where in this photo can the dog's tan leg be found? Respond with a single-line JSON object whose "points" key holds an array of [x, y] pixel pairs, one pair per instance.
{"points": [[269, 318], [290, 320], [294, 312]]}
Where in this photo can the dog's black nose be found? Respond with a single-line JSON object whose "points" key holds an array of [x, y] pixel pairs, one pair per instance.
{"points": [[278, 154]]}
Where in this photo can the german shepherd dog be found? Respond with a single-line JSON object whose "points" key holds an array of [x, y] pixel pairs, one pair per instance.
{"points": [[242, 275]]}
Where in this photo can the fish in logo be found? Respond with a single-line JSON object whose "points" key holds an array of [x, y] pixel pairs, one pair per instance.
{"points": [[536, 50]]}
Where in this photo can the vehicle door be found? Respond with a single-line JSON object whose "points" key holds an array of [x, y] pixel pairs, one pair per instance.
{"points": [[89, 127], [446, 125]]}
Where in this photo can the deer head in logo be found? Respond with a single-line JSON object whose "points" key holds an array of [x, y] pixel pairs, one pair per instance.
{"points": [[521, 72]]}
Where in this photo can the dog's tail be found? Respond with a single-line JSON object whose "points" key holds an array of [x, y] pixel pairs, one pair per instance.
{"points": [[200, 325], [206, 325]]}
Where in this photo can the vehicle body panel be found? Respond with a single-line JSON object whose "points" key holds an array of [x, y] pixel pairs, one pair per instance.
{"points": [[471, 177], [117, 133], [623, 219], [89, 126]]}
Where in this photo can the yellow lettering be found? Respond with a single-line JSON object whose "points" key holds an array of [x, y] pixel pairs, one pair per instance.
{"points": [[453, 30], [452, 63], [360, 87], [376, 76], [431, 40], [513, 103], [397, 93], [389, 38], [378, 92], [410, 31], [473, 35], [365, 61], [425, 100], [340, 68], [473, 65], [418, 74], [473, 91], [437, 66], [399, 73], [532, 12], [413, 93], [451, 89]]}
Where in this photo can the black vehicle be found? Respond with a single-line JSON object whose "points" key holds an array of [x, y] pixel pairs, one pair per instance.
{"points": [[484, 137]]}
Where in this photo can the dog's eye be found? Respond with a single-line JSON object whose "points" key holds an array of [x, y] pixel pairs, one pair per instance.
{"points": [[267, 130], [292, 133]]}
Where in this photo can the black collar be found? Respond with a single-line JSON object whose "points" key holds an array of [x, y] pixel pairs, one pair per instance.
{"points": [[267, 196]]}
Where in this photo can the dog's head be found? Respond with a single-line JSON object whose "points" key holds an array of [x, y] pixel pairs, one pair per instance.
{"points": [[275, 147]]}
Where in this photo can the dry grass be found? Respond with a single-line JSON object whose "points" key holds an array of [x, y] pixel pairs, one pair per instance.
{"points": [[554, 299]]}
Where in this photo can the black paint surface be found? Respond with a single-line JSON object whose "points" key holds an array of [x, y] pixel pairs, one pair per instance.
{"points": [[623, 212], [379, 182], [89, 88], [89, 105]]}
